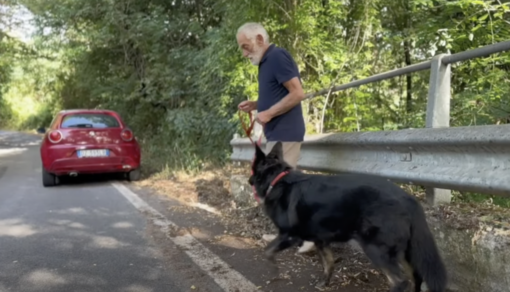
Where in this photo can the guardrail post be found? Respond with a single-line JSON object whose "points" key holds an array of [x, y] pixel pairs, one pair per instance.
{"points": [[236, 163], [438, 114]]}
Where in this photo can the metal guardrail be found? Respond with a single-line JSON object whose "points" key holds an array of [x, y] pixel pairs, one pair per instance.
{"points": [[473, 159], [378, 77], [446, 60], [462, 158]]}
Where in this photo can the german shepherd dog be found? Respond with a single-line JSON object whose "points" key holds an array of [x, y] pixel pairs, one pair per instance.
{"points": [[388, 223]]}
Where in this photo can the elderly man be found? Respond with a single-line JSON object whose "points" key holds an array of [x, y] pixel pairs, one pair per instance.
{"points": [[280, 95]]}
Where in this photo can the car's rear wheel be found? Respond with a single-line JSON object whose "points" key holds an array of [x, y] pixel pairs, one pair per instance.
{"points": [[48, 179], [134, 175]]}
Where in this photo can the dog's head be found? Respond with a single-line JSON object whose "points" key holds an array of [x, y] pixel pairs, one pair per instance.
{"points": [[266, 168]]}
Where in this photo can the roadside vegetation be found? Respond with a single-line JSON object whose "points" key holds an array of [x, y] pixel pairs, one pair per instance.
{"points": [[174, 72]]}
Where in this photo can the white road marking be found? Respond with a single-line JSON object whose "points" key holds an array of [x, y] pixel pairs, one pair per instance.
{"points": [[228, 279]]}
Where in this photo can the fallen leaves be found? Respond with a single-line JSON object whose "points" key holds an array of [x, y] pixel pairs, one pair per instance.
{"points": [[354, 270]]}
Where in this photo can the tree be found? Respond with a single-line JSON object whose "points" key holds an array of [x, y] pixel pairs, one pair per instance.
{"points": [[173, 69]]}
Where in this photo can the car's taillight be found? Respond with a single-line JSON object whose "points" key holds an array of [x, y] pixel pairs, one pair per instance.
{"points": [[127, 135], [55, 136]]}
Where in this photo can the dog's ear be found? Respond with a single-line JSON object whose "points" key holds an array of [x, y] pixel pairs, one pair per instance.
{"points": [[259, 154], [277, 151]]}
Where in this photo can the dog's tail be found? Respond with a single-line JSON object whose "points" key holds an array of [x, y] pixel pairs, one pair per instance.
{"points": [[424, 256]]}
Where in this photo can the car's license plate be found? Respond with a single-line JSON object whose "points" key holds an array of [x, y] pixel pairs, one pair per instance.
{"points": [[94, 153]]}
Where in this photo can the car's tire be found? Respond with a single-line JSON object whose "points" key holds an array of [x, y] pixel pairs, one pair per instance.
{"points": [[134, 175], [48, 179]]}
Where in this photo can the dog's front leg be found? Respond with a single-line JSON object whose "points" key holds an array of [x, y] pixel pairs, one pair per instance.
{"points": [[280, 243]]}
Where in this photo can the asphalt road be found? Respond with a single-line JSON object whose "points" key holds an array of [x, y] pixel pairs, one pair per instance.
{"points": [[79, 236]]}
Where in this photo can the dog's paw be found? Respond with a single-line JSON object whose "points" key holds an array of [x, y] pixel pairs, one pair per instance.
{"points": [[270, 257], [321, 285]]}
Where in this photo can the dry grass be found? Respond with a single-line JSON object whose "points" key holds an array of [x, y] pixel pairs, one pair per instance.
{"points": [[212, 187]]}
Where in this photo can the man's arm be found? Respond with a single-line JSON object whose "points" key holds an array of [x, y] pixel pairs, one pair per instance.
{"points": [[295, 96]]}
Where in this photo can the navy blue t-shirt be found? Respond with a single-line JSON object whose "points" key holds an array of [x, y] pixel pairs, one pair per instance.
{"points": [[276, 68]]}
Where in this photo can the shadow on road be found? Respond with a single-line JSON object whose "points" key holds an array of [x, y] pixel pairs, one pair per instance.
{"points": [[16, 139], [89, 180], [78, 248]]}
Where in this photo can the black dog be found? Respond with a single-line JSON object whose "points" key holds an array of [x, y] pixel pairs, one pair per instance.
{"points": [[388, 223]]}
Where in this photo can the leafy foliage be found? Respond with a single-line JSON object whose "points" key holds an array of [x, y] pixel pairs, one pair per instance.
{"points": [[173, 69]]}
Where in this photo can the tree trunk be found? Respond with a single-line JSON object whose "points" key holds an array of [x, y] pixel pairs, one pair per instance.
{"points": [[409, 78]]}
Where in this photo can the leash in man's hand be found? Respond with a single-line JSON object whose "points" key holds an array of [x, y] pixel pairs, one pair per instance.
{"points": [[247, 131]]}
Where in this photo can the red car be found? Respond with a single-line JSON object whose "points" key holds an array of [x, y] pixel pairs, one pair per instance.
{"points": [[88, 141]]}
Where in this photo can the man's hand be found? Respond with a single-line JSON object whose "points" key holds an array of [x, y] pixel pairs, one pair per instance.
{"points": [[264, 117], [247, 106]]}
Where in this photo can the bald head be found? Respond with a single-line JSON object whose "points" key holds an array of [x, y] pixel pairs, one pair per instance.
{"points": [[253, 39]]}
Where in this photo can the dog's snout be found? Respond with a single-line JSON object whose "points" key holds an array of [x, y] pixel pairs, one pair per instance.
{"points": [[250, 180]]}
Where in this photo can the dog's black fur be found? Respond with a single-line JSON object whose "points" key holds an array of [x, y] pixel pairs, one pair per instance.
{"points": [[388, 223]]}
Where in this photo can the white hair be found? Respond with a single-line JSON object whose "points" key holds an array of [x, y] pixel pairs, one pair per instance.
{"points": [[252, 29]]}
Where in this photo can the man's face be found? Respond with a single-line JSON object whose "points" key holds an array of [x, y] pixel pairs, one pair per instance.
{"points": [[251, 49]]}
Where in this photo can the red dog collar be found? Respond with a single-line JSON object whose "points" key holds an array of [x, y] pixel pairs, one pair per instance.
{"points": [[275, 180]]}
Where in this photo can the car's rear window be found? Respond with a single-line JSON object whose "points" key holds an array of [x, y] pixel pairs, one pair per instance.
{"points": [[90, 121]]}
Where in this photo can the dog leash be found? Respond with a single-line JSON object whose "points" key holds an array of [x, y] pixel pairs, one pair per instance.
{"points": [[248, 130]]}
